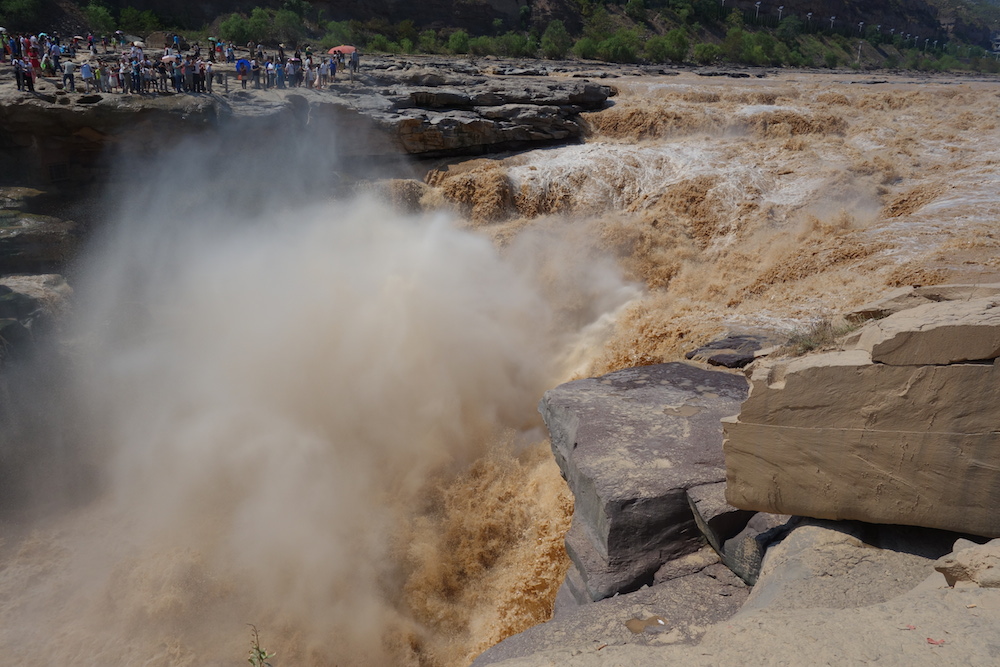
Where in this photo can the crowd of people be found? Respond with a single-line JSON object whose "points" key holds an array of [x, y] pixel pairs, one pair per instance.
{"points": [[135, 71]]}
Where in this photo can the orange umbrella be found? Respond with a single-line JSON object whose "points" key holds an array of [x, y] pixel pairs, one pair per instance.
{"points": [[343, 48]]}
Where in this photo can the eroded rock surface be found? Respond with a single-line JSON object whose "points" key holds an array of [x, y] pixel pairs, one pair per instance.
{"points": [[901, 431], [57, 136], [677, 611], [630, 444]]}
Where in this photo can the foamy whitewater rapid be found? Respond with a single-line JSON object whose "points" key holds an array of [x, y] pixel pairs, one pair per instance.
{"points": [[318, 416]]}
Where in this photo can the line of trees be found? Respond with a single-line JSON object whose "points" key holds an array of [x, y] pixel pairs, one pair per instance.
{"points": [[622, 31]]}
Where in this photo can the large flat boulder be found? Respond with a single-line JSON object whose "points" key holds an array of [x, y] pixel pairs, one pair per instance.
{"points": [[630, 444], [907, 297], [835, 436], [900, 430], [936, 333]]}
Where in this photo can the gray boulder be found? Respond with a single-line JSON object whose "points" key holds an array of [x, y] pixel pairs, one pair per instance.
{"points": [[630, 444]]}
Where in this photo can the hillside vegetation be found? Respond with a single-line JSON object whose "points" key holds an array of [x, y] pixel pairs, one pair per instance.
{"points": [[910, 34]]}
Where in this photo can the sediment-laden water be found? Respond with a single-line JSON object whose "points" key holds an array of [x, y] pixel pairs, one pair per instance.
{"points": [[319, 416]]}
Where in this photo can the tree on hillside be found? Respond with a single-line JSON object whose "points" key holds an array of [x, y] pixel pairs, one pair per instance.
{"points": [[458, 42], [234, 29], [24, 13], [636, 10], [134, 22], [99, 19], [287, 26], [556, 41], [673, 47]]}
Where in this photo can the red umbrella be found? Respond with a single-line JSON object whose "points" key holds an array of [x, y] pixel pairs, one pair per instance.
{"points": [[343, 48]]}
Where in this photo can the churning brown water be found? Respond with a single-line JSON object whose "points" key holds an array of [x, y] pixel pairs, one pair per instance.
{"points": [[321, 419]]}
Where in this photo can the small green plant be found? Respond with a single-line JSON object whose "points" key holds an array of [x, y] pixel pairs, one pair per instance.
{"points": [[258, 656]]}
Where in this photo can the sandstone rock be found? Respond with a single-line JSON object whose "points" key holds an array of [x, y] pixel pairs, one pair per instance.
{"points": [[904, 298], [834, 436], [838, 565], [630, 444], [936, 333], [975, 564]]}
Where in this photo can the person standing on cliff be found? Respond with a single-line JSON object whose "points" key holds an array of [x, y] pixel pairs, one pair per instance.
{"points": [[87, 74], [27, 76], [68, 81], [18, 72]]}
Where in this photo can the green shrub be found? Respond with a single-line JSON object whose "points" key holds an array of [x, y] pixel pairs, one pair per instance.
{"points": [[287, 27], [514, 45], [234, 29], [481, 46], [405, 30], [735, 44], [946, 63], [673, 46], [706, 53], [458, 42], [405, 45], [381, 43], [599, 26], [586, 48], [428, 42], [830, 59], [340, 32], [99, 19], [621, 47], [789, 29], [134, 22], [24, 13], [556, 41], [636, 10], [261, 25]]}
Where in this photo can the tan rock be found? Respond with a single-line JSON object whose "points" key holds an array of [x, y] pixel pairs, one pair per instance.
{"points": [[843, 390], [907, 297], [835, 436], [937, 480], [936, 333], [978, 564]]}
